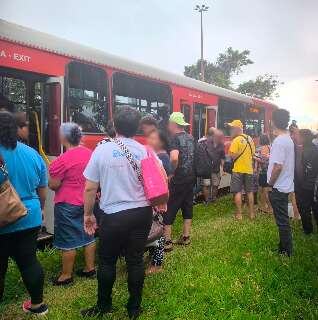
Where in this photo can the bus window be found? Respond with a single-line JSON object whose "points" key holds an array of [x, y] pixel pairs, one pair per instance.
{"points": [[227, 112], [15, 90], [87, 93], [186, 110], [199, 121], [254, 121], [26, 91], [149, 97]]}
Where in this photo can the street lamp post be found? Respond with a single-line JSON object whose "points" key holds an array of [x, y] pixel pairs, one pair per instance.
{"points": [[201, 9]]}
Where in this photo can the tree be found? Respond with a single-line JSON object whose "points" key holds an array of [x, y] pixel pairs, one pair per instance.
{"points": [[220, 73], [229, 64], [262, 87]]}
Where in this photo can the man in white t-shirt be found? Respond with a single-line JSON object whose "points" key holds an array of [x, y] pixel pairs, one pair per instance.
{"points": [[126, 214], [280, 176]]}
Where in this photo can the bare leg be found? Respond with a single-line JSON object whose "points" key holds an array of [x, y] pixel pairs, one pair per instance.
{"points": [[206, 193], [250, 197], [89, 253], [238, 204], [167, 232], [215, 190], [262, 200], [295, 208], [68, 259], [267, 201], [187, 227]]}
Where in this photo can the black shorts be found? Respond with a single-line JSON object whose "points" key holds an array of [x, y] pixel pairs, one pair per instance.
{"points": [[262, 180], [181, 198]]}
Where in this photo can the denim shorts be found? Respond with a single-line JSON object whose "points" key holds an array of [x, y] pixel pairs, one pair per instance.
{"points": [[69, 231]]}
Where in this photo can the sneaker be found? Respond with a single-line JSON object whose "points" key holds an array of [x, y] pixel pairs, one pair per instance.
{"points": [[183, 241], [95, 311], [86, 274], [168, 246], [134, 314], [65, 283], [42, 310], [284, 253]]}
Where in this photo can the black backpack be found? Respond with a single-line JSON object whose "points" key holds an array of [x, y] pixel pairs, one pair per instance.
{"points": [[202, 161]]}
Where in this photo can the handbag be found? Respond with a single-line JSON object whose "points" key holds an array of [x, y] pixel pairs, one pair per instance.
{"points": [[11, 206], [229, 162], [156, 231], [150, 174]]}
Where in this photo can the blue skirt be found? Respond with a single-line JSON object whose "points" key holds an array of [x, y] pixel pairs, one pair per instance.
{"points": [[69, 231]]}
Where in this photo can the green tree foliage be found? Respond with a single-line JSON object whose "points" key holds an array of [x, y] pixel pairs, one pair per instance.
{"points": [[229, 64], [220, 72], [262, 87]]}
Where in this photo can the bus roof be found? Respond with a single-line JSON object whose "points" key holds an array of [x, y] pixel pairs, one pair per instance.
{"points": [[25, 36]]}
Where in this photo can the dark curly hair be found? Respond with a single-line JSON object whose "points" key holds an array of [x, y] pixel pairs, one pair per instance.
{"points": [[126, 121], [8, 130], [5, 104]]}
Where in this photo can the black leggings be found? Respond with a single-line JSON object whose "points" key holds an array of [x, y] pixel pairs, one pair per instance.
{"points": [[21, 247], [126, 233]]}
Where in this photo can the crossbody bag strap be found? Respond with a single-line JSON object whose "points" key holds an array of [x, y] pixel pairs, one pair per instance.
{"points": [[129, 157], [242, 151]]}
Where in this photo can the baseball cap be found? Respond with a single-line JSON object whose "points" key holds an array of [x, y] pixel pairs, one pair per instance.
{"points": [[236, 124], [178, 118]]}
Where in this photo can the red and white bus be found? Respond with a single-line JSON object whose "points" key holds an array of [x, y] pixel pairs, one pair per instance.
{"points": [[56, 80]]}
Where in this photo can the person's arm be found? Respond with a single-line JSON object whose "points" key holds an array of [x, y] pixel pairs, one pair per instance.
{"points": [[92, 175], [278, 159], [90, 191], [234, 151], [54, 183], [57, 171], [174, 159], [222, 167], [42, 191], [277, 169]]}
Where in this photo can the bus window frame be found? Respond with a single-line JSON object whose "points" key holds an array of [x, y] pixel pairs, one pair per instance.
{"points": [[219, 114], [132, 76], [66, 111], [262, 112]]}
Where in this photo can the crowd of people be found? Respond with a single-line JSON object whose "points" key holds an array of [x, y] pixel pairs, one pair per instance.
{"points": [[100, 192]]}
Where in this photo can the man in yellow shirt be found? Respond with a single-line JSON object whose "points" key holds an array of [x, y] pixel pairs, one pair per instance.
{"points": [[242, 150]]}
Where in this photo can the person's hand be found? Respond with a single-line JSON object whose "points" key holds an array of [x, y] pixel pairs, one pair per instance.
{"points": [[90, 224], [223, 173], [43, 217], [161, 208]]}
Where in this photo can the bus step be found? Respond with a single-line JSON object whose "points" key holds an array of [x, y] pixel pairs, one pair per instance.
{"points": [[44, 236]]}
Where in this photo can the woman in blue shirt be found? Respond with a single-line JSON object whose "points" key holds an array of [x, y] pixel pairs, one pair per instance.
{"points": [[28, 175]]}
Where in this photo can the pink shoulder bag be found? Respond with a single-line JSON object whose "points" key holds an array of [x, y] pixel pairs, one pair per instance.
{"points": [[150, 174]]}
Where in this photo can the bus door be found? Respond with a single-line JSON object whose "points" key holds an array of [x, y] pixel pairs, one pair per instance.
{"points": [[52, 116], [199, 121], [48, 134], [186, 108], [211, 115]]}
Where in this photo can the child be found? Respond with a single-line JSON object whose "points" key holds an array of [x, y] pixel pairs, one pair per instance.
{"points": [[262, 158], [158, 141]]}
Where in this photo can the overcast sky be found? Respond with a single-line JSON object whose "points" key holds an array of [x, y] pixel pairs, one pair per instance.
{"points": [[281, 35]]}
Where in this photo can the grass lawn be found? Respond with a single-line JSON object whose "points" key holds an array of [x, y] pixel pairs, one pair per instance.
{"points": [[230, 271]]}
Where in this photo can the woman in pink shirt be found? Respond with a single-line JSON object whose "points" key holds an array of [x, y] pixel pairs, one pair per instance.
{"points": [[67, 180]]}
